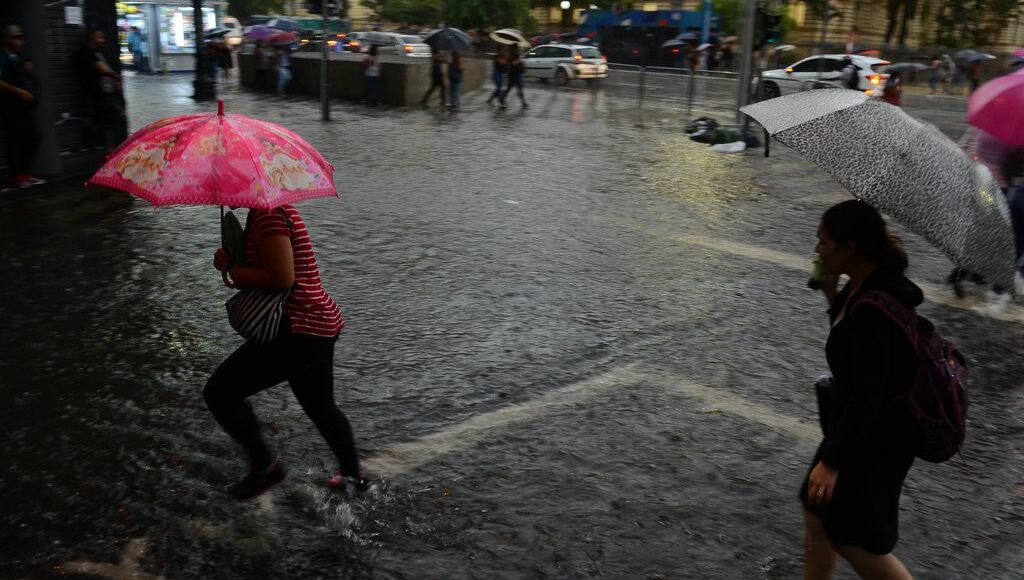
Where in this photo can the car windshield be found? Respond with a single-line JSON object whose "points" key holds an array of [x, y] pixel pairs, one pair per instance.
{"points": [[590, 53], [412, 40]]}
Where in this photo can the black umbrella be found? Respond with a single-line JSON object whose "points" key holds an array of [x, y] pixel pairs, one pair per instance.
{"points": [[216, 32], [450, 39], [902, 67]]}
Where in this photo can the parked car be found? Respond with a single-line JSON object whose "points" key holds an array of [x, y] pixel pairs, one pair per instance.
{"points": [[564, 62], [392, 43], [803, 75]]}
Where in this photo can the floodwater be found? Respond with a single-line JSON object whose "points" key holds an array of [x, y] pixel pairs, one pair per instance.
{"points": [[576, 347]]}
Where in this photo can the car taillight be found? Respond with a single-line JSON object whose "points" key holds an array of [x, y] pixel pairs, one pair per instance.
{"points": [[675, 50], [408, 49], [875, 79], [354, 44], [604, 58], [332, 43], [578, 57]]}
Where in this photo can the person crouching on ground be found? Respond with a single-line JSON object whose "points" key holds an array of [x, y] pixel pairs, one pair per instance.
{"points": [[851, 494], [280, 256]]}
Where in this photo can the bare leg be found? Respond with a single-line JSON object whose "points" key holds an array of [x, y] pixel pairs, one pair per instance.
{"points": [[872, 566], [819, 557]]}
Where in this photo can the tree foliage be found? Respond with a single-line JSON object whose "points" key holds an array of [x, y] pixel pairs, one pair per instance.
{"points": [[243, 10], [487, 13], [973, 23]]}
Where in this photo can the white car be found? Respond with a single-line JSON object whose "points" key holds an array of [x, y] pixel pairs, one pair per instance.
{"points": [[564, 62], [392, 43], [803, 75]]}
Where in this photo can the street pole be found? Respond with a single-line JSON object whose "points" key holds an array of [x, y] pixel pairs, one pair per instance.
{"points": [[204, 87], [824, 35], [705, 30], [325, 106], [743, 91]]}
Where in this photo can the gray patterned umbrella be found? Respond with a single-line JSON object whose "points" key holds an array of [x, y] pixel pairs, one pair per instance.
{"points": [[904, 168]]}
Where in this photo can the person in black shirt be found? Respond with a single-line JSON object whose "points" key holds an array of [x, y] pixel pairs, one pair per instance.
{"points": [[436, 78], [852, 491], [18, 95], [516, 68], [100, 89]]}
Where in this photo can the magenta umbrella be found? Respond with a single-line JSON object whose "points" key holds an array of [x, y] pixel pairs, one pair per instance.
{"points": [[1019, 52], [260, 32], [217, 159], [997, 107]]}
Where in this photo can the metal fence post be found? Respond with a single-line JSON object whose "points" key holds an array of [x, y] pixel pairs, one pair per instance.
{"points": [[689, 96]]}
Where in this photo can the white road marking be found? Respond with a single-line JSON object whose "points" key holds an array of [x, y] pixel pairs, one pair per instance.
{"points": [[932, 293], [407, 457]]}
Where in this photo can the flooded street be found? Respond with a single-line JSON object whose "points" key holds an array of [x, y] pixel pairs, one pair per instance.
{"points": [[575, 347]]}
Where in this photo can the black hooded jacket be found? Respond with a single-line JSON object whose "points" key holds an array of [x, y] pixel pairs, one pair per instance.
{"points": [[872, 361]]}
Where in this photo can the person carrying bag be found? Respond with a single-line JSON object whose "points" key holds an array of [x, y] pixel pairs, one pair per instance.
{"points": [[291, 325]]}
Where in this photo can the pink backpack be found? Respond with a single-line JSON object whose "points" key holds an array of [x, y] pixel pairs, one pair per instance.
{"points": [[938, 398]]}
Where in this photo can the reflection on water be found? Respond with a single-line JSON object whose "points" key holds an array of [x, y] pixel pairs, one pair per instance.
{"points": [[501, 274]]}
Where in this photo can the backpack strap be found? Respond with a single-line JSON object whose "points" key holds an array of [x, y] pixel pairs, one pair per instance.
{"points": [[904, 317], [287, 220]]}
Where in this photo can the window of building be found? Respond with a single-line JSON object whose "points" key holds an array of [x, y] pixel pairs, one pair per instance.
{"points": [[177, 28], [650, 6]]}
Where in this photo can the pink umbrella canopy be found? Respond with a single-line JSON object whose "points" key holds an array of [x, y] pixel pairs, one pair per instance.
{"points": [[997, 108], [217, 159], [1019, 52]]}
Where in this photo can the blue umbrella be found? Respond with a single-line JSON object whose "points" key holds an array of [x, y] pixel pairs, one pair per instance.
{"points": [[450, 39]]}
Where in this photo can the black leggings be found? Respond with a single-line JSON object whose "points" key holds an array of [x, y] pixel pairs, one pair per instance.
{"points": [[307, 363]]}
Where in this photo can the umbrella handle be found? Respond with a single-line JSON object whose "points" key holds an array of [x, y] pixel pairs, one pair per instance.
{"points": [[227, 281]]}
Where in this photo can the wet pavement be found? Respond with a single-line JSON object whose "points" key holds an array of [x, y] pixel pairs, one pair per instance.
{"points": [[578, 345]]}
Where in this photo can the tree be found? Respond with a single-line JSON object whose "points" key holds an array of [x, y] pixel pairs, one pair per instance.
{"points": [[243, 10], [729, 13], [972, 23], [487, 13]]}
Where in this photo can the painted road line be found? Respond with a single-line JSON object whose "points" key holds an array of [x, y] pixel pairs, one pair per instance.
{"points": [[733, 404], [932, 293], [407, 457]]}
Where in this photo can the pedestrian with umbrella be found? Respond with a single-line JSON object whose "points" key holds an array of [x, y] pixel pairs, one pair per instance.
{"points": [[516, 69], [289, 321], [437, 65], [455, 69]]}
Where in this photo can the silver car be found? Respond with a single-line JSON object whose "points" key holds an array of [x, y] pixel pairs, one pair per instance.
{"points": [[564, 62], [393, 43]]}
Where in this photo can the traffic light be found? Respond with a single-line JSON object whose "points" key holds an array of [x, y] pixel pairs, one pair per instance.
{"points": [[772, 31], [769, 27]]}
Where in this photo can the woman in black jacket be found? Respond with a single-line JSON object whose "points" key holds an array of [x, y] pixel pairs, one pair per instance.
{"points": [[852, 491]]}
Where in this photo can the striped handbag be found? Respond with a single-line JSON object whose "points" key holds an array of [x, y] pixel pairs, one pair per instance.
{"points": [[254, 314], [257, 314]]}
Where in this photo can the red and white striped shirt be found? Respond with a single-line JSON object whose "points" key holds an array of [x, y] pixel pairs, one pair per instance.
{"points": [[310, 309]]}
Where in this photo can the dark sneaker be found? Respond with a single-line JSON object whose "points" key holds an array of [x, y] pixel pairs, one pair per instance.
{"points": [[258, 482]]}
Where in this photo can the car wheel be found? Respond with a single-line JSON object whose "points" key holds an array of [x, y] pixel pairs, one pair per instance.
{"points": [[561, 77], [770, 91]]}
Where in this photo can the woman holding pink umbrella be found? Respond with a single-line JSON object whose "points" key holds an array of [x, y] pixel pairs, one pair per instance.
{"points": [[218, 159], [279, 256]]}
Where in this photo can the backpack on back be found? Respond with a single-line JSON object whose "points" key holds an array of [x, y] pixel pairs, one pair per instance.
{"points": [[938, 398]]}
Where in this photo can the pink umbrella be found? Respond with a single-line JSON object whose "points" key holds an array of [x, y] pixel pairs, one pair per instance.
{"points": [[1019, 52], [997, 107], [217, 159]]}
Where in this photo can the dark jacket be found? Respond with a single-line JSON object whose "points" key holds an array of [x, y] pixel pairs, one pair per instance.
{"points": [[872, 361]]}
